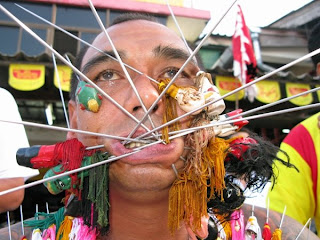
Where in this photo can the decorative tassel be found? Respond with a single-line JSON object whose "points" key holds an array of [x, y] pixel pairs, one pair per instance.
{"points": [[68, 153], [50, 233], [266, 233], [237, 225], [277, 234], [227, 229], [188, 195], [65, 228], [187, 200], [253, 230], [215, 155], [221, 230], [45, 220], [98, 189], [171, 110], [36, 234], [75, 228], [81, 231]]}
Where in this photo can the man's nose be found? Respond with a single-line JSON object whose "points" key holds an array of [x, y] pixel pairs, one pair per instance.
{"points": [[148, 94]]}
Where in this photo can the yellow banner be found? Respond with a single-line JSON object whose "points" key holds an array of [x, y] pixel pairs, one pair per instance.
{"points": [[179, 3], [26, 77], [296, 88], [268, 91], [64, 73], [228, 84]]}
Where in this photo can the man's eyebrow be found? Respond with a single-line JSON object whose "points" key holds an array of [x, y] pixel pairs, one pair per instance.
{"points": [[171, 53], [105, 57]]}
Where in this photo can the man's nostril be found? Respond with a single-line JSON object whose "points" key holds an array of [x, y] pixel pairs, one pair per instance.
{"points": [[155, 108], [136, 109]]}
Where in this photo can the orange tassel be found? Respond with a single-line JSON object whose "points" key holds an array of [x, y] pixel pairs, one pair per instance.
{"points": [[187, 200], [188, 194], [277, 234], [266, 233], [215, 154], [170, 113], [65, 228], [227, 229]]}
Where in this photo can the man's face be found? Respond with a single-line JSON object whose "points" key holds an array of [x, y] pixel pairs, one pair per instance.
{"points": [[157, 52]]}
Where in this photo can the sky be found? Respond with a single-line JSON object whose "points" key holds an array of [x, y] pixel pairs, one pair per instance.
{"points": [[257, 13]]}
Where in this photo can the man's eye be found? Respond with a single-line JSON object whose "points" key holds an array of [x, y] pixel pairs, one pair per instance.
{"points": [[107, 75], [170, 73]]}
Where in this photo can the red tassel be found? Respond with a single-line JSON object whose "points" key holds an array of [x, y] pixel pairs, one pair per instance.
{"points": [[69, 153], [266, 233]]}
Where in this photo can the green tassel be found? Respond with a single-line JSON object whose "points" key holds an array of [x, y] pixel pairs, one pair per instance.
{"points": [[98, 188], [45, 220], [59, 216]]}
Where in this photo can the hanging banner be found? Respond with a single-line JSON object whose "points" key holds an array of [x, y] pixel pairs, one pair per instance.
{"points": [[296, 88], [228, 84], [268, 91], [64, 73], [26, 77]]}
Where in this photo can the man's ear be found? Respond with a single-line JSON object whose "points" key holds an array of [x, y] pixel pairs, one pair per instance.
{"points": [[318, 69], [72, 109]]}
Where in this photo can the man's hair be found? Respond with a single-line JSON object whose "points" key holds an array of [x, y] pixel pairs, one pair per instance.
{"points": [[120, 19], [125, 17], [314, 43]]}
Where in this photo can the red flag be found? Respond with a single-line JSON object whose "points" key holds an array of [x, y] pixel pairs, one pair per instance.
{"points": [[244, 61]]}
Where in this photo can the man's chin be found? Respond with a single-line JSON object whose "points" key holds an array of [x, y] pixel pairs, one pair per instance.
{"points": [[143, 177]]}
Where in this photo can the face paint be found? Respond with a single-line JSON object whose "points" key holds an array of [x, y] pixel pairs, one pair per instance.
{"points": [[63, 183], [88, 97]]}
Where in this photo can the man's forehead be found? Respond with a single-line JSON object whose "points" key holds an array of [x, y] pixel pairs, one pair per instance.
{"points": [[135, 27], [124, 32]]}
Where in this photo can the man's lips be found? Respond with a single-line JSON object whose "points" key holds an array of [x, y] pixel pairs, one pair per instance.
{"points": [[148, 154]]}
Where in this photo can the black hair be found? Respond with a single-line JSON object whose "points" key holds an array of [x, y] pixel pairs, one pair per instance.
{"points": [[256, 167], [125, 17], [314, 43]]}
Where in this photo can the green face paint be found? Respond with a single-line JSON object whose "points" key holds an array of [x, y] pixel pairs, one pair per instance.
{"points": [[88, 97], [63, 183]]}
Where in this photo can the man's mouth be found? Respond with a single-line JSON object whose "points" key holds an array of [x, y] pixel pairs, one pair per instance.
{"points": [[132, 145]]}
